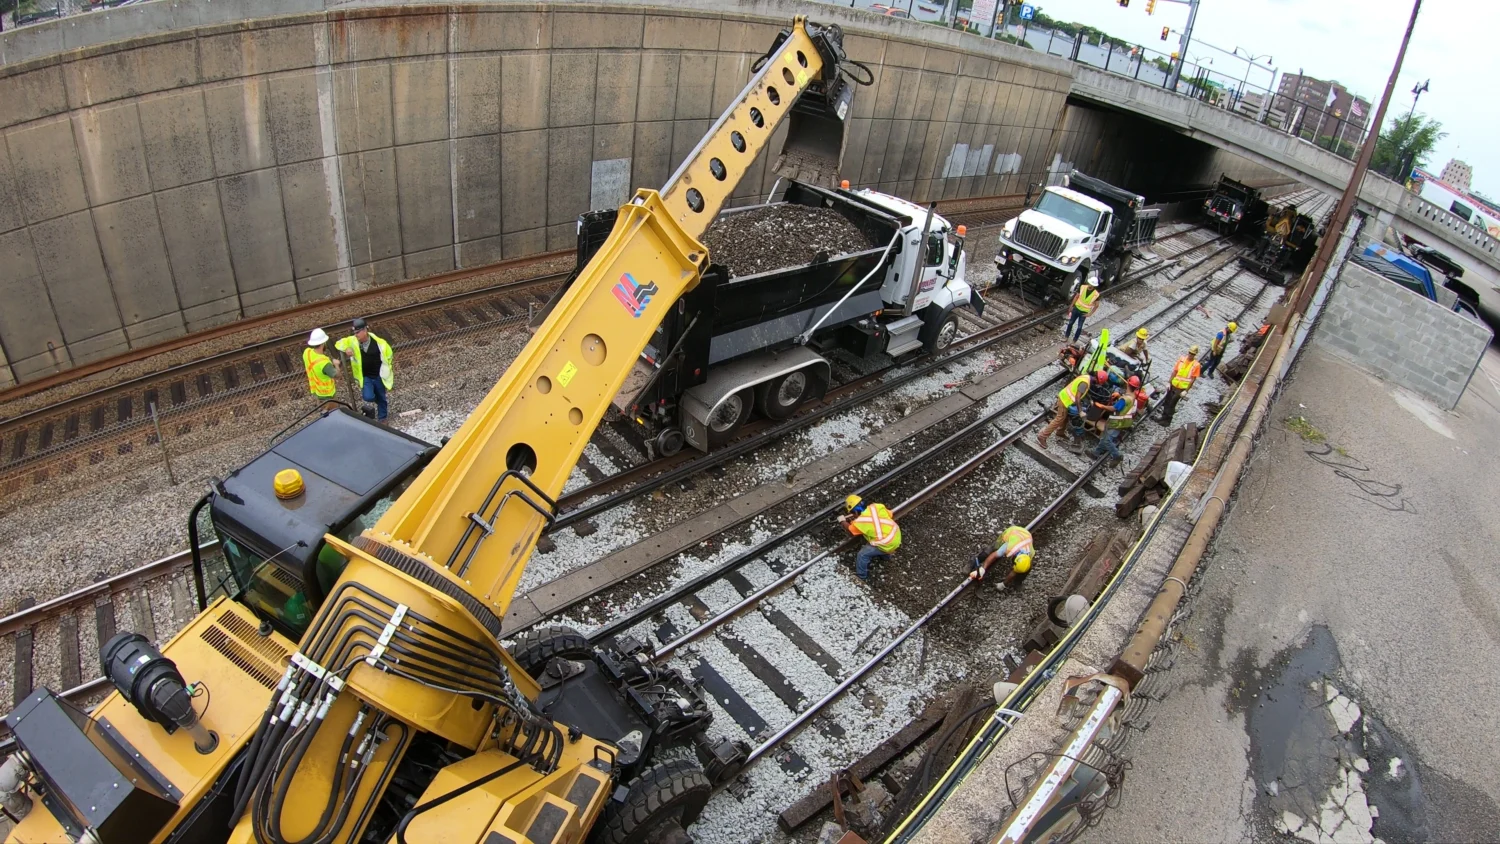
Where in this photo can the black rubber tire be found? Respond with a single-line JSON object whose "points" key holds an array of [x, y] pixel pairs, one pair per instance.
{"points": [[747, 404], [539, 645], [932, 332], [1122, 266], [673, 791], [768, 399]]}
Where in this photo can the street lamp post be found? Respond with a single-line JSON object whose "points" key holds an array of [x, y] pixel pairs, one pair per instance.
{"points": [[1249, 63], [1416, 94]]}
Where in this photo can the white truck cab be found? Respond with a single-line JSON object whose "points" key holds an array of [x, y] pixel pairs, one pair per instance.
{"points": [[1066, 230], [924, 274]]}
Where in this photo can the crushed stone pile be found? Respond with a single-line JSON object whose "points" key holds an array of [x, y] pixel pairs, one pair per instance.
{"points": [[780, 236]]}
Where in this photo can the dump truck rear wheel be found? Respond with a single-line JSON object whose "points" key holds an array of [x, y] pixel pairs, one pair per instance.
{"points": [[731, 414], [663, 799], [780, 397], [539, 645]]}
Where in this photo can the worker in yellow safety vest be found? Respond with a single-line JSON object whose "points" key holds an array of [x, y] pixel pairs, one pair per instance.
{"points": [[1137, 348], [1068, 405], [370, 363], [1084, 302], [1217, 347], [1184, 375], [875, 523], [1015, 545], [321, 371]]}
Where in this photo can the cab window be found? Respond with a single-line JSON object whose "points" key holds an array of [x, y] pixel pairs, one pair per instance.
{"points": [[935, 241]]}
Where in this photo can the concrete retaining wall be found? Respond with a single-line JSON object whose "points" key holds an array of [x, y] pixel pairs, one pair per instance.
{"points": [[1395, 334], [203, 171]]}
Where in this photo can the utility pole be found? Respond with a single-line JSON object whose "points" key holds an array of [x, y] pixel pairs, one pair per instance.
{"points": [[1182, 46], [1341, 213]]}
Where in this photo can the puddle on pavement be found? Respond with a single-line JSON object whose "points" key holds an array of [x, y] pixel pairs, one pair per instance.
{"points": [[1315, 780]]}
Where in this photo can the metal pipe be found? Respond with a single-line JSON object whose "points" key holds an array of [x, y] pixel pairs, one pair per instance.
{"points": [[803, 339], [1048, 788], [1157, 616]]}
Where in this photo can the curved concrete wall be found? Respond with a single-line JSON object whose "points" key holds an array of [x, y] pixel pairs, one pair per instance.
{"points": [[194, 172]]}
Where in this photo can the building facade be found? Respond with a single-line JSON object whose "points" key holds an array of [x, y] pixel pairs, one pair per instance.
{"points": [[1458, 174], [1318, 108]]}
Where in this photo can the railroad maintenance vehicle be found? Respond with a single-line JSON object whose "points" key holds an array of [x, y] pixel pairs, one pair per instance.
{"points": [[351, 686], [1234, 206], [1286, 246], [759, 342], [1084, 225]]}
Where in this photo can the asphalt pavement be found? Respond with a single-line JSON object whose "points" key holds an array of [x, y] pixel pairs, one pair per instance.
{"points": [[1336, 679]]}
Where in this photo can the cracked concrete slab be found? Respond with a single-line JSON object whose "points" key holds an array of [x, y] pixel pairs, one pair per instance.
{"points": [[1313, 541]]}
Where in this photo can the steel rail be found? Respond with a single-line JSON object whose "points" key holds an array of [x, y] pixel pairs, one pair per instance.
{"points": [[31, 616], [874, 662], [918, 499], [695, 465], [635, 616]]}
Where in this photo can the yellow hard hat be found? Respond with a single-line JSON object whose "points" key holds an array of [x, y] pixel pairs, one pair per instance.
{"points": [[288, 483], [1233, 327], [1142, 333], [1023, 563], [851, 502], [1193, 351]]}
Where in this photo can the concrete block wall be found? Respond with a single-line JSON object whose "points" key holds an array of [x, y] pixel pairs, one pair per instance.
{"points": [[177, 181], [1399, 336]]}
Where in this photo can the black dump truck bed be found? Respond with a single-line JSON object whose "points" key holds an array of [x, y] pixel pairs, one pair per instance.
{"points": [[1133, 223]]}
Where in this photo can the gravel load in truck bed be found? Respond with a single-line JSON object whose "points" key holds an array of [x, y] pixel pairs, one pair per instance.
{"points": [[780, 236]]}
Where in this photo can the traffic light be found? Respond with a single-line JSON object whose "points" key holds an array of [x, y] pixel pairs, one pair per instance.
{"points": [[1125, 4], [1164, 31], [1150, 7]]}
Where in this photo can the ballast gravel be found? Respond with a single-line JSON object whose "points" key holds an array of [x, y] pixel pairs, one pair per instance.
{"points": [[775, 237]]}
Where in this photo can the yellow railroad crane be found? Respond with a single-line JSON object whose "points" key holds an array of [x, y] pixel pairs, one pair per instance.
{"points": [[350, 686]]}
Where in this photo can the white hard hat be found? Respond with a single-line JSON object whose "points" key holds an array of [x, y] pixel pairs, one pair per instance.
{"points": [[317, 338], [1093, 279]]}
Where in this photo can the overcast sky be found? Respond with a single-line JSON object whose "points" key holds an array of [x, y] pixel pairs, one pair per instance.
{"points": [[1353, 41]]}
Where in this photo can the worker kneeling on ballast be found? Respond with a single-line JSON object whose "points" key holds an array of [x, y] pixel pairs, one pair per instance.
{"points": [[1014, 544], [875, 523]]}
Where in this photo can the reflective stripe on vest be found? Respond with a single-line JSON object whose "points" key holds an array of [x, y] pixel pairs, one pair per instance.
{"points": [[1073, 391], [350, 347], [1086, 298], [879, 527], [321, 385], [1186, 371], [1016, 540]]}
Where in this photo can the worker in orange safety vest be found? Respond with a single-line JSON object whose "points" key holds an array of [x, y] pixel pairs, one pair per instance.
{"points": [[875, 523], [1184, 376], [321, 370]]}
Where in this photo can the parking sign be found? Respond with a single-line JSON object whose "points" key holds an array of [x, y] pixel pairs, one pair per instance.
{"points": [[1028, 11]]}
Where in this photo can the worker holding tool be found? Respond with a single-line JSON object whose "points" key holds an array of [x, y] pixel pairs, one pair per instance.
{"points": [[321, 370], [1109, 441], [875, 523], [1067, 406], [1136, 348], [370, 363], [1217, 346], [1084, 302], [1015, 545], [1184, 376]]}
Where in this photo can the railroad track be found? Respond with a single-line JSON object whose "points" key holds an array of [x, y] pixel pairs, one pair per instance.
{"points": [[760, 630], [65, 619], [86, 430]]}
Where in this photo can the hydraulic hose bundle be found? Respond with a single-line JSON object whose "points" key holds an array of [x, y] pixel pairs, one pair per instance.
{"points": [[355, 626]]}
